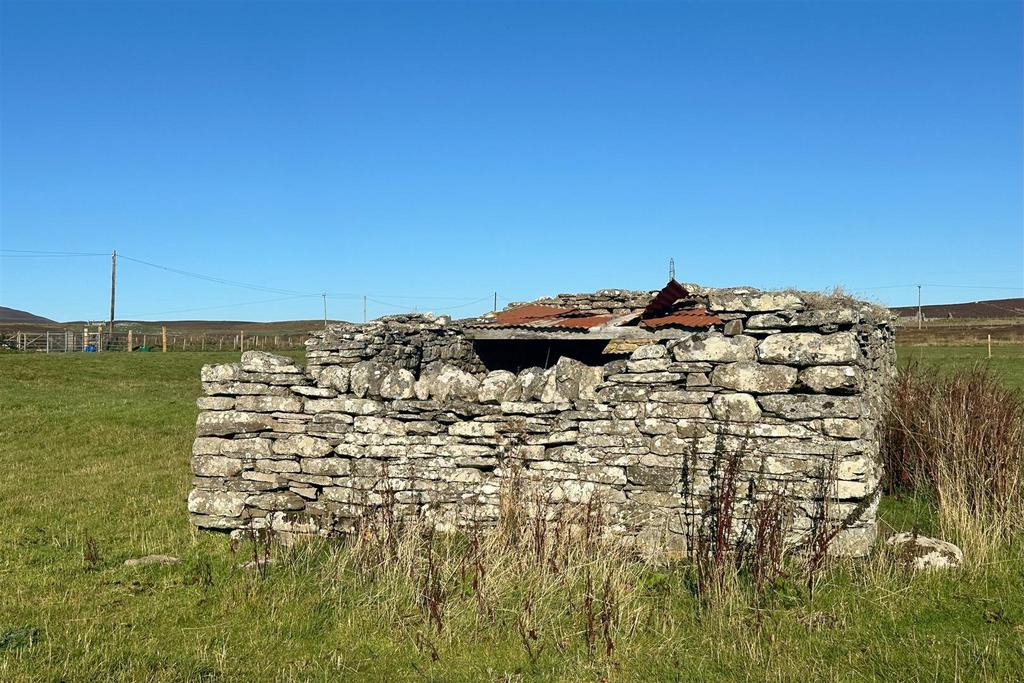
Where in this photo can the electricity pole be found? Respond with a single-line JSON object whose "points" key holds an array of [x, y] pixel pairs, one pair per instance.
{"points": [[920, 316], [495, 308], [113, 288], [364, 309], [324, 295]]}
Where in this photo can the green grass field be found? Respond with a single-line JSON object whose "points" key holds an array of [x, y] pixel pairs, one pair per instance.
{"points": [[1007, 360], [94, 470]]}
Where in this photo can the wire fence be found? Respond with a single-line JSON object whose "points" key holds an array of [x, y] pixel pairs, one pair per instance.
{"points": [[78, 342]]}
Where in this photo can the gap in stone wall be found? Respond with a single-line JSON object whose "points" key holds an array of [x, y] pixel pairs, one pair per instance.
{"points": [[516, 355]]}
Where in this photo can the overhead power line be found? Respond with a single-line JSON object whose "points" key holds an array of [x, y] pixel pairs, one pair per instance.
{"points": [[925, 284], [211, 308], [439, 308], [218, 280], [32, 253]]}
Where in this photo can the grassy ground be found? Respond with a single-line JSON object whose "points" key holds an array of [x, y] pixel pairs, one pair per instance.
{"points": [[1007, 361], [94, 470]]}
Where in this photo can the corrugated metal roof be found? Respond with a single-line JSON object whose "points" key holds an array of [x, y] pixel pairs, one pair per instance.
{"points": [[663, 300], [555, 318], [690, 317], [584, 322], [528, 313]]}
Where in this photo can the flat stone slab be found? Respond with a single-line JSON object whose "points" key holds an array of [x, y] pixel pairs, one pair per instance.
{"points": [[151, 559]]}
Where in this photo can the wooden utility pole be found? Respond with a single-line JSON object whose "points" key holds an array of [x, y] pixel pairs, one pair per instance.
{"points": [[324, 295], [494, 308], [113, 289], [919, 316], [364, 309]]}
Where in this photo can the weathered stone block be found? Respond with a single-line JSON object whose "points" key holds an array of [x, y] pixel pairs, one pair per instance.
{"points": [[831, 379], [365, 378], [352, 406], [473, 429], [215, 403], [678, 410], [649, 364], [656, 478], [261, 361], [747, 376], [714, 347], [243, 389], [333, 467], [335, 377], [246, 448], [647, 377], [215, 466], [752, 300], [842, 428], [207, 445], [494, 386], [276, 500], [226, 372], [680, 396], [303, 446], [735, 408], [649, 351], [808, 406], [808, 348], [269, 404], [226, 422], [398, 384], [448, 382], [733, 328], [216, 503], [696, 380], [278, 465], [379, 425]]}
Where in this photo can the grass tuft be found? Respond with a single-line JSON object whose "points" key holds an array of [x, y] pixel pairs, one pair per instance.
{"points": [[959, 438]]}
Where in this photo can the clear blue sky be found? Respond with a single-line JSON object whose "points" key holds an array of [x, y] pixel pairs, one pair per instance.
{"points": [[453, 150]]}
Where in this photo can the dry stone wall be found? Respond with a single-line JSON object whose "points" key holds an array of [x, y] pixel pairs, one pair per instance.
{"points": [[401, 412]]}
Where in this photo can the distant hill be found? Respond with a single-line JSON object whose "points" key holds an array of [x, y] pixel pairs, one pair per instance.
{"points": [[13, 315], [991, 308]]}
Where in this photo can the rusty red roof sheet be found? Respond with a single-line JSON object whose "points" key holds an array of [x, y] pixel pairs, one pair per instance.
{"points": [[529, 313], [583, 322], [655, 315], [663, 300], [690, 317]]}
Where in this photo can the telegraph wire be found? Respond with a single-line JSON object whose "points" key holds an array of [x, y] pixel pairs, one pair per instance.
{"points": [[379, 299], [210, 308], [439, 308], [218, 280], [32, 253]]}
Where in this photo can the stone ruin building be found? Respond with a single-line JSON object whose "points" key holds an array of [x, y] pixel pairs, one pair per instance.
{"points": [[630, 399]]}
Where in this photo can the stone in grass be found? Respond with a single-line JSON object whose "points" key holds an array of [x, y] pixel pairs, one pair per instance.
{"points": [[151, 559], [923, 553], [261, 563]]}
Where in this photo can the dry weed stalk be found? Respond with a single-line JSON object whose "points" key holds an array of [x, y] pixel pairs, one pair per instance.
{"points": [[959, 437], [548, 571]]}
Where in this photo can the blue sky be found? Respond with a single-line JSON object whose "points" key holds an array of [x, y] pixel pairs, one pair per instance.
{"points": [[428, 155]]}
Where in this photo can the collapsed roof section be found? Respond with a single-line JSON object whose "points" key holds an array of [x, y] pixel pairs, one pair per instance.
{"points": [[672, 311]]}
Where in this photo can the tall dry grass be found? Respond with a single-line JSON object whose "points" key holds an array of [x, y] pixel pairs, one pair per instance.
{"points": [[959, 437], [551, 575]]}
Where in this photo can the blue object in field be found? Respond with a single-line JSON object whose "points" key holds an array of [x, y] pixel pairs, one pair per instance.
{"points": [[90, 348]]}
